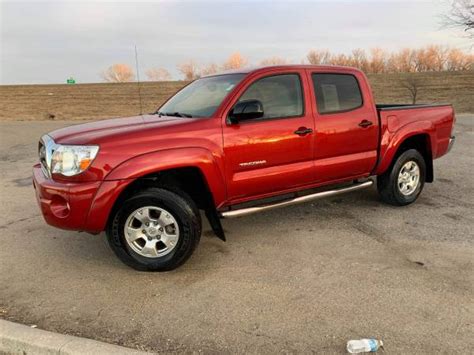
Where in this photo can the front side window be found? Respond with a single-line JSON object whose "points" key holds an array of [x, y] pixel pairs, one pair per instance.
{"points": [[280, 95], [202, 97], [336, 92]]}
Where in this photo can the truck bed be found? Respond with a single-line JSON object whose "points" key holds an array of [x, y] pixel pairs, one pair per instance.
{"points": [[399, 121]]}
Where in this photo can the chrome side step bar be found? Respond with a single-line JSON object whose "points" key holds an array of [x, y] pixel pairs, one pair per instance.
{"points": [[294, 201]]}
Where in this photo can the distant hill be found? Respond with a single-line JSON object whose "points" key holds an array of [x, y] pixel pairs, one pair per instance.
{"points": [[98, 101]]}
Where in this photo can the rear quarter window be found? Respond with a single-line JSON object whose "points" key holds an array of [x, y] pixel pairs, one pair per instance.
{"points": [[336, 92]]}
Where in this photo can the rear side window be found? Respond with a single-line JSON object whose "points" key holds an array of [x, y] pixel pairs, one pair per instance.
{"points": [[336, 92], [281, 95]]}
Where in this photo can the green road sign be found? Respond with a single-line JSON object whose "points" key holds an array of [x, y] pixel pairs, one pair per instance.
{"points": [[71, 80]]}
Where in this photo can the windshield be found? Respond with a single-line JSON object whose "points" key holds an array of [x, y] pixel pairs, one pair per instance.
{"points": [[202, 97]]}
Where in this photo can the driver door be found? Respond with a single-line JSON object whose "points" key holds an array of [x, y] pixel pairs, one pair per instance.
{"points": [[274, 153]]}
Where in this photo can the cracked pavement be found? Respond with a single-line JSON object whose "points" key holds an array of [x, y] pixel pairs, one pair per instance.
{"points": [[304, 278]]}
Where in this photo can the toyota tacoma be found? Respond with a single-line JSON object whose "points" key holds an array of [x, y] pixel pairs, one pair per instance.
{"points": [[229, 145]]}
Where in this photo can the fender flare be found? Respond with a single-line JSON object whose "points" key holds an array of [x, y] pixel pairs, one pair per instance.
{"points": [[131, 170], [391, 142], [175, 158]]}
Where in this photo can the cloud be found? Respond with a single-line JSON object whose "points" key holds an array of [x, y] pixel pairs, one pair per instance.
{"points": [[46, 42]]}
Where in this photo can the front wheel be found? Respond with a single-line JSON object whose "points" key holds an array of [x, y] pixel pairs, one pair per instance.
{"points": [[403, 183], [155, 230]]}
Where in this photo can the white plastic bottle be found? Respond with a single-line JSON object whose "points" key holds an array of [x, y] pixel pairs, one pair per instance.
{"points": [[364, 346]]}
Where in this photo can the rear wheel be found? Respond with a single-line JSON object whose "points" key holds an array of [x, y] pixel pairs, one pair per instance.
{"points": [[155, 230], [403, 183]]}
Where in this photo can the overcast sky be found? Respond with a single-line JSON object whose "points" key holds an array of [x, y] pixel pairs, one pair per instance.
{"points": [[46, 42]]}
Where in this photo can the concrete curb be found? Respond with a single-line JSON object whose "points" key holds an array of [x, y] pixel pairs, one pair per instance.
{"points": [[21, 339]]}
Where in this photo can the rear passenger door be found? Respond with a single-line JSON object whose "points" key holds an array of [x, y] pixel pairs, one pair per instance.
{"points": [[346, 126]]}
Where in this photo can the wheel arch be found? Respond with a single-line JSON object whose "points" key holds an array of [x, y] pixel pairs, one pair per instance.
{"points": [[193, 171], [420, 141], [201, 160], [189, 180]]}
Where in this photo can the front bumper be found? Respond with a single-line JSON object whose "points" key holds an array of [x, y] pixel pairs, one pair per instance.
{"points": [[64, 205]]}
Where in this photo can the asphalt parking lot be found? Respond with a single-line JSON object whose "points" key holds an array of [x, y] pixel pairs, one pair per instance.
{"points": [[305, 278]]}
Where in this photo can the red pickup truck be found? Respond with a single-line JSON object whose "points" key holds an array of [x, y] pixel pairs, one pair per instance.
{"points": [[229, 145]]}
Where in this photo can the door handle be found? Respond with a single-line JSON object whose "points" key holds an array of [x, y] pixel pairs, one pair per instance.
{"points": [[365, 123], [303, 131]]}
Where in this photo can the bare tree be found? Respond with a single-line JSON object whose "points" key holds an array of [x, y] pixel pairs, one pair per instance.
{"points": [[402, 61], [119, 73], [359, 59], [419, 60], [377, 63], [158, 74], [461, 16], [413, 84], [274, 61], [210, 69], [319, 57], [189, 69], [235, 61], [406, 60], [458, 60], [340, 59]]}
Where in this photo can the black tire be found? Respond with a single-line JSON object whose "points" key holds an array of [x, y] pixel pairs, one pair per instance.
{"points": [[387, 183], [184, 212]]}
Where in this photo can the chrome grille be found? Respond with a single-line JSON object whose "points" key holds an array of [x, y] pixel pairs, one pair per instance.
{"points": [[42, 157], [45, 152]]}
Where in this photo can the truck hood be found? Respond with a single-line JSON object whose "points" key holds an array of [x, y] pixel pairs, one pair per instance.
{"points": [[100, 131]]}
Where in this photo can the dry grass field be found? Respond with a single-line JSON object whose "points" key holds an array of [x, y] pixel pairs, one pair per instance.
{"points": [[98, 101], [456, 88]]}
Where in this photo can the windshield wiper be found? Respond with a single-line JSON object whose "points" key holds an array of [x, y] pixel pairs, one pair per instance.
{"points": [[173, 114]]}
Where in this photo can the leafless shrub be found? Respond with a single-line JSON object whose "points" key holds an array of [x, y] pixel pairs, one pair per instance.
{"points": [[406, 60], [457, 60], [189, 69], [319, 57], [235, 61], [274, 61], [402, 61], [210, 69], [118, 73], [158, 74]]}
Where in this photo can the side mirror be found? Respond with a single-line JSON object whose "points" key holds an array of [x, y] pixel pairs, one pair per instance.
{"points": [[245, 110]]}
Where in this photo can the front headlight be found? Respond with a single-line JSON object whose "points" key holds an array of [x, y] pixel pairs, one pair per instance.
{"points": [[69, 160]]}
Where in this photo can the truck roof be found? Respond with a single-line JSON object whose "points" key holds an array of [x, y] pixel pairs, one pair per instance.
{"points": [[249, 70]]}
